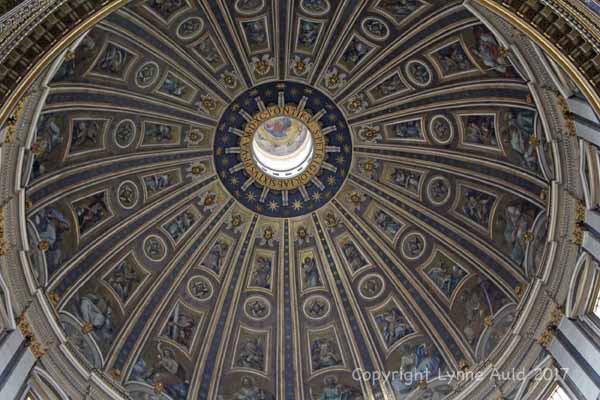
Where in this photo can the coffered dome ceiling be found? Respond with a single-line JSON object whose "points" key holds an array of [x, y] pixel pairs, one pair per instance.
{"points": [[252, 199]]}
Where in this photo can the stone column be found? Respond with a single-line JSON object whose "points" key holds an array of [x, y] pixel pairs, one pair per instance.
{"points": [[576, 350], [17, 347], [16, 362], [591, 237], [586, 121]]}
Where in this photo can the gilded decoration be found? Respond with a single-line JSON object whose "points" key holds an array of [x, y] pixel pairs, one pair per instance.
{"points": [[549, 333], [296, 197], [35, 345]]}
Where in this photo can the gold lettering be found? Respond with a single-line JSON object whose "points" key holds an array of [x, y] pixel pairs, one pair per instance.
{"points": [[246, 142]]}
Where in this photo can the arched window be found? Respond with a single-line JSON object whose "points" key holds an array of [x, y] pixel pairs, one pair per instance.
{"points": [[596, 309], [7, 319], [559, 393], [594, 302], [41, 386]]}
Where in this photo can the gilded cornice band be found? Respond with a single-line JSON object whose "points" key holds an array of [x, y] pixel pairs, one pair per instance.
{"points": [[40, 41], [560, 32]]}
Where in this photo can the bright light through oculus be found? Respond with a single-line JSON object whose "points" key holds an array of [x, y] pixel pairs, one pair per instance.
{"points": [[283, 147]]}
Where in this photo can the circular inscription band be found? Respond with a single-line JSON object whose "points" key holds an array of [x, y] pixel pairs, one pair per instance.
{"points": [[247, 155], [282, 149]]}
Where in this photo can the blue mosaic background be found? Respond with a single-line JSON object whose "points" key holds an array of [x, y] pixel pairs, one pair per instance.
{"points": [[293, 94]]}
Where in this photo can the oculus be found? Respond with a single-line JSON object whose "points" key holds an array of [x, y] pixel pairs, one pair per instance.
{"points": [[128, 195], [283, 149], [249, 7], [257, 308], [441, 129], [371, 286], [413, 246], [155, 248], [438, 190], [375, 28], [125, 133], [418, 73], [147, 74], [287, 146]]}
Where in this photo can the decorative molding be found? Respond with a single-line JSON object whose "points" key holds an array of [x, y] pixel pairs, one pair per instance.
{"points": [[52, 25], [561, 33], [583, 23], [3, 244], [22, 19]]}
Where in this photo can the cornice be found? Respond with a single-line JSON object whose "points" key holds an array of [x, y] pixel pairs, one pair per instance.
{"points": [[566, 28], [39, 39], [563, 33], [23, 17], [580, 16]]}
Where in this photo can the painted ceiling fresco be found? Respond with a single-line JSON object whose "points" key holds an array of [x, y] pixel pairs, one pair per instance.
{"points": [[182, 276]]}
